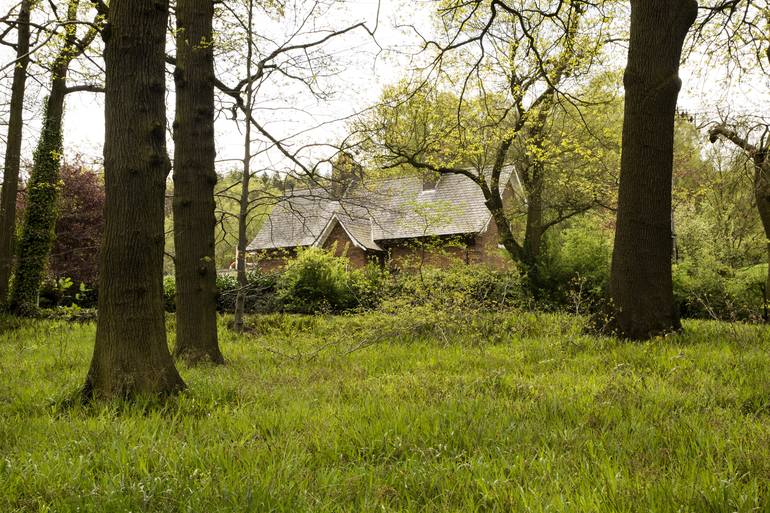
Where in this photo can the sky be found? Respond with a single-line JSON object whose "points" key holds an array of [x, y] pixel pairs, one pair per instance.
{"points": [[363, 65]]}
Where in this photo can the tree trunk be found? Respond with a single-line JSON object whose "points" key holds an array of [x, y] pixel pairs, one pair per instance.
{"points": [[131, 355], [40, 214], [43, 188], [533, 233], [194, 181], [762, 197], [640, 282], [13, 152], [240, 257]]}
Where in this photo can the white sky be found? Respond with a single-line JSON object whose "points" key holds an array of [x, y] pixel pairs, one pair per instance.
{"points": [[364, 71]]}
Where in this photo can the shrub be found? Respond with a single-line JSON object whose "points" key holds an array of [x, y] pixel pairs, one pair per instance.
{"points": [[260, 292], [369, 285], [169, 293], [711, 290], [64, 292], [576, 273], [458, 286], [317, 281]]}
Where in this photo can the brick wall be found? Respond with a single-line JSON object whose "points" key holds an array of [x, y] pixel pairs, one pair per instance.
{"points": [[343, 246], [409, 254], [270, 260]]}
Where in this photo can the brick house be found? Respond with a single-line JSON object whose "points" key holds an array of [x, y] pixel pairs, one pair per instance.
{"points": [[400, 222]]}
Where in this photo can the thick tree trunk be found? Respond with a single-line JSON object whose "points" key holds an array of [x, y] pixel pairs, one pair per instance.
{"points": [[533, 233], [13, 152], [640, 283], [194, 180], [131, 355]]}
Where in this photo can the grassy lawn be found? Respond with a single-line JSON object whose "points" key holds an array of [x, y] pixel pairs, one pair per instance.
{"points": [[499, 412]]}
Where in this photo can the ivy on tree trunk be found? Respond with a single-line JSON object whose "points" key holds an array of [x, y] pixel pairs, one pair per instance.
{"points": [[42, 190]]}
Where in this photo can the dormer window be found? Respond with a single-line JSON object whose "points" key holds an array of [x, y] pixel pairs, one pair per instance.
{"points": [[429, 181]]}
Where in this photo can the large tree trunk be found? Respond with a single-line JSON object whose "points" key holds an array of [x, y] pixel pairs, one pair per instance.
{"points": [[194, 180], [640, 282], [131, 355], [13, 151]]}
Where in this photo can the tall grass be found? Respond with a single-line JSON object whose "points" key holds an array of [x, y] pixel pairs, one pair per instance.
{"points": [[374, 412]]}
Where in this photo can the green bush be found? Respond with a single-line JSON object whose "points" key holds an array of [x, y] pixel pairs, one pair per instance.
{"points": [[711, 290], [575, 274], [461, 285], [63, 292], [169, 293], [317, 281], [260, 293]]}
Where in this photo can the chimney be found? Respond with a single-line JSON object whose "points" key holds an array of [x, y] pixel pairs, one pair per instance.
{"points": [[345, 170], [429, 181]]}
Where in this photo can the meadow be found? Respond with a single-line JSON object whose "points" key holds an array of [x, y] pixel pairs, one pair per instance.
{"points": [[506, 411]]}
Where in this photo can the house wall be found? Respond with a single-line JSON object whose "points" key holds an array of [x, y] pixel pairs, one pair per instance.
{"points": [[343, 246], [410, 254], [487, 251], [271, 260]]}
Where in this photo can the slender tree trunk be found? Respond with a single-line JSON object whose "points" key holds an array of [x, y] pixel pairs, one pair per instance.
{"points": [[640, 283], [194, 181], [13, 152], [131, 355], [43, 188], [240, 264], [762, 198]]}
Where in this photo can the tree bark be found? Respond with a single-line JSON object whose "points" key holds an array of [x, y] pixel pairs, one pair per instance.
{"points": [[40, 215], [533, 232], [640, 282], [39, 223], [194, 181], [131, 355], [13, 151], [240, 261]]}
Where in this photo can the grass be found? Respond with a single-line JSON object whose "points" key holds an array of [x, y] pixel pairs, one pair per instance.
{"points": [[499, 412]]}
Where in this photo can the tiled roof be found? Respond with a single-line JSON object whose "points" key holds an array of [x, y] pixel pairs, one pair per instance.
{"points": [[379, 210]]}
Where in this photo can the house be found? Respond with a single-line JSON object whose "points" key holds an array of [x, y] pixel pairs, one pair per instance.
{"points": [[400, 222]]}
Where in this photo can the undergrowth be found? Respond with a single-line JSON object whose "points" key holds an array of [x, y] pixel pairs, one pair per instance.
{"points": [[504, 411]]}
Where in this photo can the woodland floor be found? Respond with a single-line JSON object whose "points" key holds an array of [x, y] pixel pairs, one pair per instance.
{"points": [[499, 412]]}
